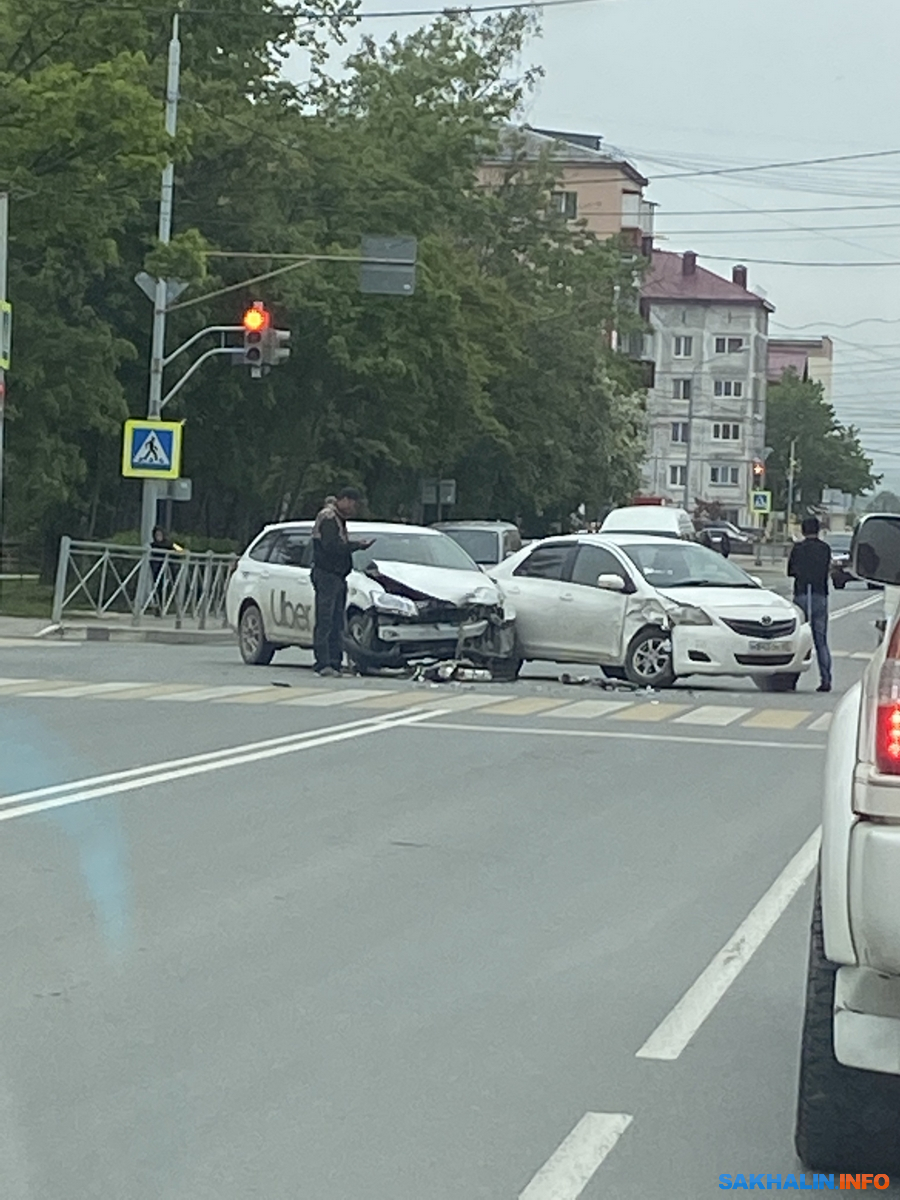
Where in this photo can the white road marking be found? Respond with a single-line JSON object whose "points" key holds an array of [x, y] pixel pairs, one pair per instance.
{"points": [[461, 701], [327, 699], [569, 1170], [820, 724], [77, 791], [712, 714], [865, 655], [584, 709], [535, 731], [210, 693], [852, 608], [85, 689], [674, 1033]]}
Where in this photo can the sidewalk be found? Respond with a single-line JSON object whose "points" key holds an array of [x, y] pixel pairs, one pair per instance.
{"points": [[113, 629]]}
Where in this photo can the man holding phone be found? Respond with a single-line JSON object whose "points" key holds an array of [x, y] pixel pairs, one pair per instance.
{"points": [[332, 563]]}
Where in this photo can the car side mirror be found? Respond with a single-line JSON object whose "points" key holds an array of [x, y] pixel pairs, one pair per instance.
{"points": [[875, 549], [611, 583]]}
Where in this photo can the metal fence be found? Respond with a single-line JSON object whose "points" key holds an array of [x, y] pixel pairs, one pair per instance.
{"points": [[103, 580]]}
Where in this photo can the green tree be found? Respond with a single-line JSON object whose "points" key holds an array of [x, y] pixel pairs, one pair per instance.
{"points": [[827, 453], [884, 502]]}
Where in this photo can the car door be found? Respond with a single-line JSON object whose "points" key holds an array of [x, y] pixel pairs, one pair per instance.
{"points": [[535, 588], [289, 610], [594, 617]]}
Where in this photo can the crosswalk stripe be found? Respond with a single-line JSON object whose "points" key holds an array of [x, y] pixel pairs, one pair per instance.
{"points": [[585, 709], [327, 699], [820, 724], [208, 693], [777, 718], [653, 711], [524, 706], [266, 694], [712, 714], [171, 691], [88, 689], [459, 703], [387, 700]]}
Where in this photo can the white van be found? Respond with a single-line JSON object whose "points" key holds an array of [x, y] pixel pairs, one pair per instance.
{"points": [[658, 520]]}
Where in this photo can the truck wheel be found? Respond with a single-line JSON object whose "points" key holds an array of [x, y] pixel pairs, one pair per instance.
{"points": [[648, 662], [846, 1118], [256, 649]]}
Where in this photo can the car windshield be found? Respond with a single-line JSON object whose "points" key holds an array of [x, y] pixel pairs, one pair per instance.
{"points": [[426, 549], [839, 541], [481, 544], [684, 564]]}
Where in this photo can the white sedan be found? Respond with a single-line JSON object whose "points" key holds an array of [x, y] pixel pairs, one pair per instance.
{"points": [[413, 595], [651, 610]]}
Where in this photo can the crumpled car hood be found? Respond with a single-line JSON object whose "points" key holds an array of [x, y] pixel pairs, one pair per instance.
{"points": [[750, 600], [434, 583]]}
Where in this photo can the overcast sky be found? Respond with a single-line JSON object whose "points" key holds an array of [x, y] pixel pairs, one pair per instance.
{"points": [[683, 85]]}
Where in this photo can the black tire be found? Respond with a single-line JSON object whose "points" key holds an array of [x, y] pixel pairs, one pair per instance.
{"points": [[614, 673], [507, 670], [359, 640], [846, 1118], [648, 662], [256, 649], [840, 582], [782, 681]]}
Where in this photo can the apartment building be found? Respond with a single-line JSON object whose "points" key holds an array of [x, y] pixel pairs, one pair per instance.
{"points": [[706, 411], [811, 358], [595, 185]]}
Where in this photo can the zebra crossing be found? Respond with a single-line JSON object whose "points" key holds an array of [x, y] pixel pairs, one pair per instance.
{"points": [[671, 709]]}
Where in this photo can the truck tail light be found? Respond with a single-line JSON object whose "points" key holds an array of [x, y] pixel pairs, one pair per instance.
{"points": [[887, 725]]}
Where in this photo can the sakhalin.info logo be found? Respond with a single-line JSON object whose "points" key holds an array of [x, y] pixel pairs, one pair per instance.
{"points": [[803, 1183]]}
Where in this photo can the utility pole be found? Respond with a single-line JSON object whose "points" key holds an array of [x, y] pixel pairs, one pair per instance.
{"points": [[4, 255], [790, 496], [690, 439], [161, 299]]}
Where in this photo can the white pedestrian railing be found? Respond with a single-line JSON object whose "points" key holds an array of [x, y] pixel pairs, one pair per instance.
{"points": [[103, 580]]}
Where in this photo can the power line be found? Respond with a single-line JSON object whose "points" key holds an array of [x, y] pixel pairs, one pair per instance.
{"points": [[786, 262], [773, 229], [449, 11], [772, 166]]}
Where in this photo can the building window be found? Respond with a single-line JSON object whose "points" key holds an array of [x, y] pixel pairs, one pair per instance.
{"points": [[565, 203], [725, 476], [726, 432], [729, 387], [680, 431], [681, 389], [677, 476], [729, 345], [684, 347]]}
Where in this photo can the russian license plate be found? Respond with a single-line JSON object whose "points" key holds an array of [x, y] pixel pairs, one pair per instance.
{"points": [[771, 648]]}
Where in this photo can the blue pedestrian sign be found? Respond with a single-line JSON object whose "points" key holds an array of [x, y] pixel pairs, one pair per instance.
{"points": [[152, 450]]}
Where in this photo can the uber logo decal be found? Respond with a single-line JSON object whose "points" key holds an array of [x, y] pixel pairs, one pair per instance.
{"points": [[293, 616]]}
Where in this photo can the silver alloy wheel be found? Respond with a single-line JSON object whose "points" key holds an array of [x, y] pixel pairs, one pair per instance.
{"points": [[652, 657], [251, 632]]}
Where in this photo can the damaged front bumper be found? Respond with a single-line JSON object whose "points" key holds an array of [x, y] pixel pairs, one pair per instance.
{"points": [[483, 637]]}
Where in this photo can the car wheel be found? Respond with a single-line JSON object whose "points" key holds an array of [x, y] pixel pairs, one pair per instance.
{"points": [[648, 662], [256, 649], [781, 681], [360, 638], [840, 582], [614, 672], [846, 1118], [507, 670]]}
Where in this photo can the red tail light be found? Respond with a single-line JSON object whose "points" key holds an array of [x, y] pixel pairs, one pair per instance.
{"points": [[887, 726]]}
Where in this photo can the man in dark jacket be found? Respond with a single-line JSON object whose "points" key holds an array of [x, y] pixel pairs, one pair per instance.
{"points": [[332, 563], [810, 567]]}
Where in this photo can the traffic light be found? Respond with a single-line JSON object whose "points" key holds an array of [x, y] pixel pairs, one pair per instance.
{"points": [[275, 347], [256, 326], [759, 470]]}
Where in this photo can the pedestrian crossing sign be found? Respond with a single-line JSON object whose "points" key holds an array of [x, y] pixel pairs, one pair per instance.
{"points": [[761, 502], [152, 450]]}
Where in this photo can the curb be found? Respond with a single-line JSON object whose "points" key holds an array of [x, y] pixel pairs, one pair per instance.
{"points": [[165, 637]]}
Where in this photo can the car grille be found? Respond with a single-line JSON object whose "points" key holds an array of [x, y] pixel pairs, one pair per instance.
{"points": [[763, 660], [450, 614], [756, 629]]}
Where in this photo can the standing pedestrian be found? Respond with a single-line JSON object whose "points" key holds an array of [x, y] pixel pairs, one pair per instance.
{"points": [[810, 567], [332, 563]]}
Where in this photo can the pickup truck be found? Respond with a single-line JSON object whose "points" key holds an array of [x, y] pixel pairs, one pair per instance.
{"points": [[848, 1111]]}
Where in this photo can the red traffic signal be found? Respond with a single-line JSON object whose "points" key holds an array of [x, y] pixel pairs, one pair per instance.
{"points": [[257, 318]]}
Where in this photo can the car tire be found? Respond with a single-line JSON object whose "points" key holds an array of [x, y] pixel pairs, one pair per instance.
{"points": [[648, 661], [256, 649], [781, 681], [360, 637], [846, 1118], [614, 673], [507, 670], [840, 582]]}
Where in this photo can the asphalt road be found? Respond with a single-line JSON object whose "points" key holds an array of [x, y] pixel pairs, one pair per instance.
{"points": [[372, 939]]}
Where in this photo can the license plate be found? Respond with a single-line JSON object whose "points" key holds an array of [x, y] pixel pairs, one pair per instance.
{"points": [[771, 647]]}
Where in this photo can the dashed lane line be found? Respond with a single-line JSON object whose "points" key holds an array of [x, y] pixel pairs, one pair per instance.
{"points": [[572, 1166]]}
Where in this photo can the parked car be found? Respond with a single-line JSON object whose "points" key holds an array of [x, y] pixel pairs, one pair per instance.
{"points": [[657, 520], [651, 610], [841, 573], [728, 537], [487, 542], [414, 594], [848, 1109]]}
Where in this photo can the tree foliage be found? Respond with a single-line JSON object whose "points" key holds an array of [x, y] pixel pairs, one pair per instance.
{"points": [[827, 453], [498, 371], [884, 502]]}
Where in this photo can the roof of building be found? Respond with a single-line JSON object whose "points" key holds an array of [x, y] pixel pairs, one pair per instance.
{"points": [[781, 359], [667, 280], [564, 148]]}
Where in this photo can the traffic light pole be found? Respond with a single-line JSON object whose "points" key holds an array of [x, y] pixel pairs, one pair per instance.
{"points": [[4, 242], [160, 299]]}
